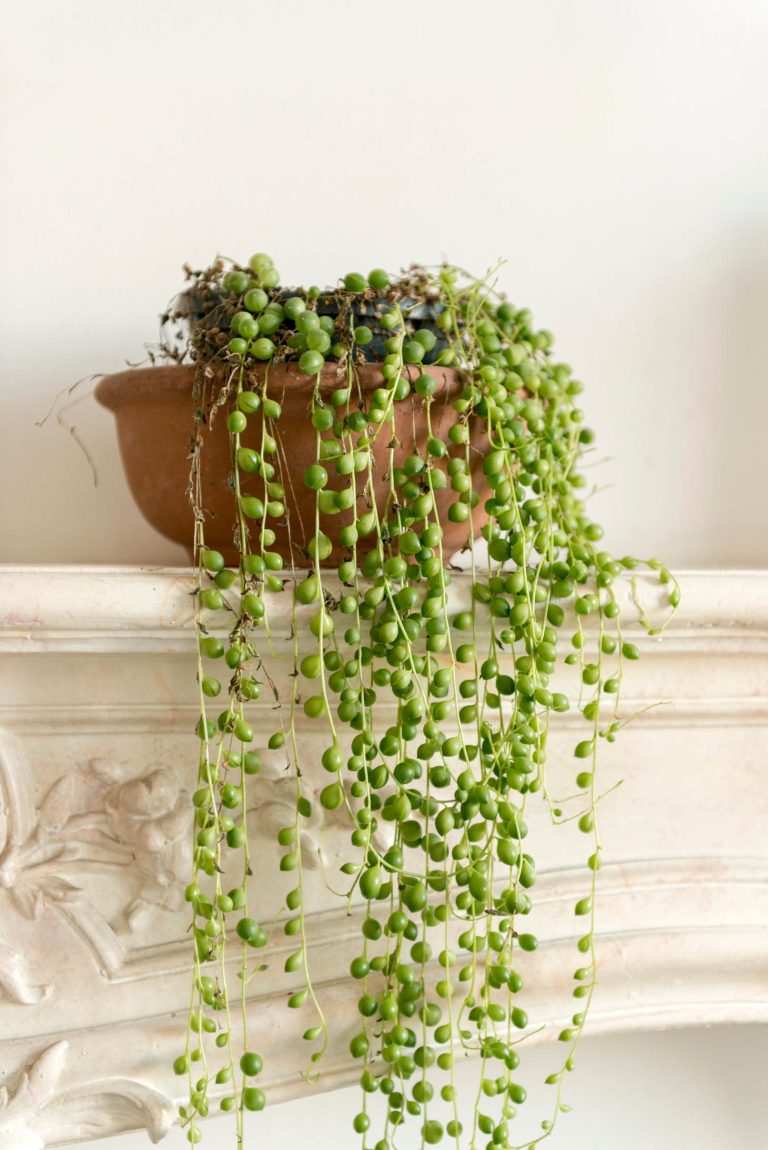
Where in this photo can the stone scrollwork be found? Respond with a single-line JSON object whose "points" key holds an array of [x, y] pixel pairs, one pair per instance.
{"points": [[97, 819], [34, 1089], [39, 1108], [15, 982]]}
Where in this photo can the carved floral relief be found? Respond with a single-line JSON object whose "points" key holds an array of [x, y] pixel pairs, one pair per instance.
{"points": [[94, 820]]}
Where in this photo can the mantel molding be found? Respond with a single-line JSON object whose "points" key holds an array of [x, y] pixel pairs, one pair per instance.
{"points": [[71, 607], [97, 700]]}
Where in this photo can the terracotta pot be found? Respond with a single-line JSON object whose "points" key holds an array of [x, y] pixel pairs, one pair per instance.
{"points": [[154, 408]]}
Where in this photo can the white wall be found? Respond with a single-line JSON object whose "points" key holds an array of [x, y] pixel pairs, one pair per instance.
{"points": [[614, 152]]}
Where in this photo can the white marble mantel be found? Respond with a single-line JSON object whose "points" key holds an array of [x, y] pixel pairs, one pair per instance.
{"points": [[97, 689]]}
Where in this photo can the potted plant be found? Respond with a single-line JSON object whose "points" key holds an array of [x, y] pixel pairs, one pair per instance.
{"points": [[339, 447]]}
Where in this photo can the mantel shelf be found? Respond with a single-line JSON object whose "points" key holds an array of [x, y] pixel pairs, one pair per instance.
{"points": [[97, 690]]}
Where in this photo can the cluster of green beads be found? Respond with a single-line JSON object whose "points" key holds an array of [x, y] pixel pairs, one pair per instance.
{"points": [[470, 690]]}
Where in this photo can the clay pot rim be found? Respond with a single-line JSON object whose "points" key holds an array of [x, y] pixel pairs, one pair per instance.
{"points": [[162, 383], [142, 384]]}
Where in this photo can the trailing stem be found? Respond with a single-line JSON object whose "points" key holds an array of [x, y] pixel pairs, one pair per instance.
{"points": [[433, 716]]}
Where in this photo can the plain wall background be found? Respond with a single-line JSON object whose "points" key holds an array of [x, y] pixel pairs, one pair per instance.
{"points": [[615, 153]]}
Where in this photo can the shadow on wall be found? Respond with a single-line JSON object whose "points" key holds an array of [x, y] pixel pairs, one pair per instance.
{"points": [[736, 441], [686, 480]]}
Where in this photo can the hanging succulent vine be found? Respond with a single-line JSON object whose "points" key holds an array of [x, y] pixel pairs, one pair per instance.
{"points": [[455, 774]]}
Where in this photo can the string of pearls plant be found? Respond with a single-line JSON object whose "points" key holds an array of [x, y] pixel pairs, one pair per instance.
{"points": [[453, 777]]}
